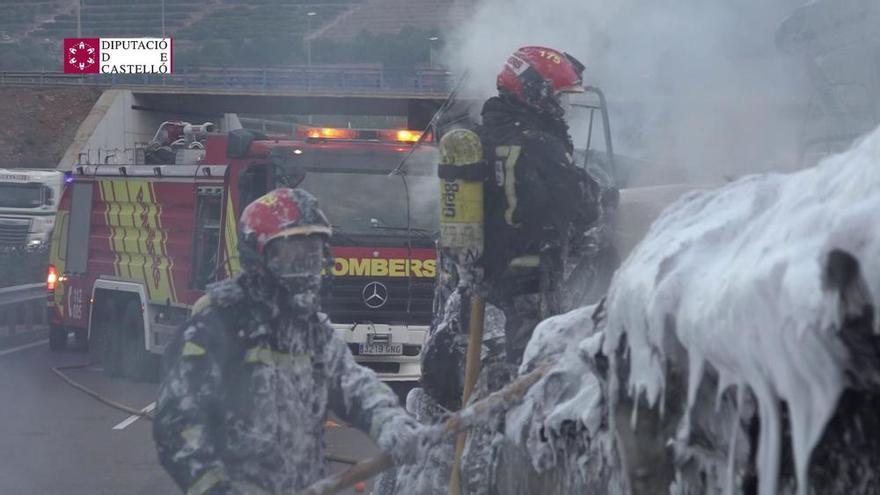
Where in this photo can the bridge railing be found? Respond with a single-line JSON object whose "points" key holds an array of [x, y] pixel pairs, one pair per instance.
{"points": [[22, 307], [309, 78]]}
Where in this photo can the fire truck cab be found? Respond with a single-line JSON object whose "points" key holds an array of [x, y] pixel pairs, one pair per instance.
{"points": [[136, 245]]}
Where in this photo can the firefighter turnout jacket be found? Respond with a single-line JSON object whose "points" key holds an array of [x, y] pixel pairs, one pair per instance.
{"points": [[249, 385], [539, 205], [537, 198]]}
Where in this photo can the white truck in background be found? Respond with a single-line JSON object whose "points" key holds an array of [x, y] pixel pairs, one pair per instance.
{"points": [[28, 202]]}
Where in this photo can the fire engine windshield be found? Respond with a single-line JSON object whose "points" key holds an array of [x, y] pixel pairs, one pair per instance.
{"points": [[358, 195], [361, 203], [21, 195]]}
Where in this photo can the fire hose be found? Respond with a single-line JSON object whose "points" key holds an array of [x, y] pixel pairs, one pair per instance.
{"points": [[459, 422], [59, 371]]}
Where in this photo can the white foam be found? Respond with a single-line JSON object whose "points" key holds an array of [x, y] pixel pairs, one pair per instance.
{"points": [[740, 271], [571, 397]]}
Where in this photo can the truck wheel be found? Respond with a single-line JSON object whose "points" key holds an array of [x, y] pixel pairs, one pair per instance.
{"points": [[57, 338], [81, 337], [138, 364]]}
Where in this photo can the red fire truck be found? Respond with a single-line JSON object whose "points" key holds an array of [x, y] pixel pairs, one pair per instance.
{"points": [[135, 246]]}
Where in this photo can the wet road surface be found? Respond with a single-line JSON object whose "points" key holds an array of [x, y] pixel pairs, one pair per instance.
{"points": [[56, 439]]}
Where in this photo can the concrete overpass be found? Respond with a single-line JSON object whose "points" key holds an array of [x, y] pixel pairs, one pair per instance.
{"points": [[416, 107]]}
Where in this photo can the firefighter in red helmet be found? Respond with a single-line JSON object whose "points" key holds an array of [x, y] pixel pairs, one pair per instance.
{"points": [[540, 78], [539, 207], [253, 374], [539, 203]]}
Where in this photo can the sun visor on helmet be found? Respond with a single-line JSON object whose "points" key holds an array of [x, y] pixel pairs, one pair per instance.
{"points": [[577, 88], [575, 63]]}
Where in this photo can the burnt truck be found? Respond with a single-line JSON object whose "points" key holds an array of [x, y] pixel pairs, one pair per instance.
{"points": [[135, 246], [839, 45]]}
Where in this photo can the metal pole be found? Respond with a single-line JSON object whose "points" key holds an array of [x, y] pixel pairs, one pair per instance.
{"points": [[471, 373], [163, 18], [308, 40], [432, 39], [79, 19], [309, 16]]}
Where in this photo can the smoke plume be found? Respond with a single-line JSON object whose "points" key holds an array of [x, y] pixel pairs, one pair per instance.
{"points": [[696, 88]]}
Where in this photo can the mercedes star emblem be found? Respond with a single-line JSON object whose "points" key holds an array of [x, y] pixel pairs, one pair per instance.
{"points": [[375, 295]]}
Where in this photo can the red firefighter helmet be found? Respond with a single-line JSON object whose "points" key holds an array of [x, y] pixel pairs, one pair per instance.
{"points": [[537, 76], [280, 213]]}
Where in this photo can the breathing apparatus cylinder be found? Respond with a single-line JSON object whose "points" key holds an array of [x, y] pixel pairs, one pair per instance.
{"points": [[462, 172]]}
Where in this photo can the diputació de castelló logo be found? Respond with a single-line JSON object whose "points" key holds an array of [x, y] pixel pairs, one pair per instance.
{"points": [[82, 55], [118, 56]]}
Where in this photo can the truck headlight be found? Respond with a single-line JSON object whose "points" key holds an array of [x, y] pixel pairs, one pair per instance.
{"points": [[43, 222]]}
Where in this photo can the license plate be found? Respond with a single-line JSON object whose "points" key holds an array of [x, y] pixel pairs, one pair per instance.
{"points": [[381, 349]]}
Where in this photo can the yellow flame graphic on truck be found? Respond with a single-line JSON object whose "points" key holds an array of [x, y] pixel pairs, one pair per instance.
{"points": [[137, 238]]}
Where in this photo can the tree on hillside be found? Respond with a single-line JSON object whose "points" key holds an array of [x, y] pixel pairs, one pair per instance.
{"points": [[29, 55]]}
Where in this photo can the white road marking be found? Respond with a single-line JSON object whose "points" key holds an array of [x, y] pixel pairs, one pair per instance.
{"points": [[23, 347], [131, 419]]}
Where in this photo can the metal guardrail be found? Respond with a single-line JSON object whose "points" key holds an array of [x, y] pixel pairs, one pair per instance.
{"points": [[303, 78], [22, 305]]}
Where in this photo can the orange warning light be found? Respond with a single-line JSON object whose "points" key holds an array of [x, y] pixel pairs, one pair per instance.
{"points": [[327, 133]]}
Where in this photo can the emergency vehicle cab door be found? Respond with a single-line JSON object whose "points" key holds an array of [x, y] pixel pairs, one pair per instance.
{"points": [[286, 168], [253, 182], [206, 245]]}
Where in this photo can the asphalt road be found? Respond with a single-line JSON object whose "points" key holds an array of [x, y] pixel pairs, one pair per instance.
{"points": [[56, 439]]}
